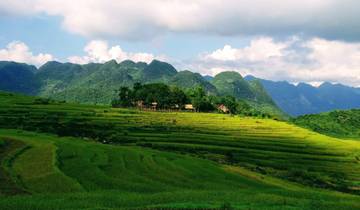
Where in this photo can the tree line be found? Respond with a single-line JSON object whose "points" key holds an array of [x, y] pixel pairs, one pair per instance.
{"points": [[171, 97]]}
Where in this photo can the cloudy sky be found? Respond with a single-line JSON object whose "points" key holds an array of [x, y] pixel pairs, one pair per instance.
{"points": [[299, 41]]}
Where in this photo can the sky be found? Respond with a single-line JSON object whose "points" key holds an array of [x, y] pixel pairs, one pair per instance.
{"points": [[308, 41]]}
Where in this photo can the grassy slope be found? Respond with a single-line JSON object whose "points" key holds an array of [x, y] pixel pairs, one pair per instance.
{"points": [[266, 146], [105, 176], [340, 123], [8, 151]]}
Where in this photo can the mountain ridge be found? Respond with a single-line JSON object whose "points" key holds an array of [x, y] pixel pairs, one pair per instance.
{"points": [[55, 76], [304, 99], [99, 82]]}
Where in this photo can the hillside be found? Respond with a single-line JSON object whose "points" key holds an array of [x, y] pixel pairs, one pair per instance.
{"points": [[120, 158], [339, 123], [99, 83], [91, 83], [98, 176], [18, 77], [305, 99], [158, 71], [189, 79], [232, 83], [221, 136]]}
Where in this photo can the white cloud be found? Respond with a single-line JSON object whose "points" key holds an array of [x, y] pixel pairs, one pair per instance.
{"points": [[295, 60], [139, 19], [20, 52], [98, 51], [259, 49]]}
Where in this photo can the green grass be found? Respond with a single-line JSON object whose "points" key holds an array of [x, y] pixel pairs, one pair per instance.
{"points": [[339, 123], [172, 160], [264, 145], [40, 174], [8, 151], [113, 177]]}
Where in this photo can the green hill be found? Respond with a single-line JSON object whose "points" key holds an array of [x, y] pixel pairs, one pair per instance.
{"points": [[158, 71], [189, 79], [304, 99], [260, 93], [98, 83], [121, 158], [232, 83], [18, 77], [70, 173], [345, 123]]}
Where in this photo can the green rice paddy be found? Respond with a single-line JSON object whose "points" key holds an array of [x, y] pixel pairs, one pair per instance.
{"points": [[68, 156]]}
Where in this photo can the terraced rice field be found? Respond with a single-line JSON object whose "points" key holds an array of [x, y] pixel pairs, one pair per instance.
{"points": [[68, 173], [119, 158]]}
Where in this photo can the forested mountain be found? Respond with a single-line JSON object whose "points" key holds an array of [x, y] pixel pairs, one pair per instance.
{"points": [[99, 82], [305, 99], [189, 79], [232, 83], [18, 77], [158, 71]]}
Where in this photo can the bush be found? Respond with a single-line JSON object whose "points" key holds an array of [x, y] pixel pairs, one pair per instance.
{"points": [[226, 206], [43, 101], [2, 143]]}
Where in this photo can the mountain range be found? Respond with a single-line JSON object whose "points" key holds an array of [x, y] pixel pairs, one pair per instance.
{"points": [[99, 83], [304, 99]]}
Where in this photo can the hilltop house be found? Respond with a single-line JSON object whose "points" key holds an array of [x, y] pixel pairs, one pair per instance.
{"points": [[223, 108], [154, 105], [189, 107]]}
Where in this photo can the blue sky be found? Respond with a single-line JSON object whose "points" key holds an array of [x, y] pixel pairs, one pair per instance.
{"points": [[309, 41], [41, 34], [45, 34]]}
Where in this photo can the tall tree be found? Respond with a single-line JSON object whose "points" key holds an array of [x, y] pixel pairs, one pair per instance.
{"points": [[125, 97], [200, 101], [230, 103]]}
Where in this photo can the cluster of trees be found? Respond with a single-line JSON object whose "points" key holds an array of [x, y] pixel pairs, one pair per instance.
{"points": [[164, 96], [170, 97]]}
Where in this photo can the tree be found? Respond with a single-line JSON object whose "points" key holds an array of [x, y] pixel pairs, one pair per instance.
{"points": [[200, 101], [156, 92], [137, 86], [178, 97], [136, 91], [125, 97], [244, 108], [230, 103]]}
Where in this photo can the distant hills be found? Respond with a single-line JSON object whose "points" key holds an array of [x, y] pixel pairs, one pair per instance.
{"points": [[98, 83], [305, 99], [18, 77], [339, 123]]}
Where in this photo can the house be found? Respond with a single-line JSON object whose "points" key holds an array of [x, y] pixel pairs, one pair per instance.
{"points": [[223, 108], [140, 104], [154, 105], [189, 107]]}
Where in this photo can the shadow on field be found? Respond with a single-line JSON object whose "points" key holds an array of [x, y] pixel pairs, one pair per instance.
{"points": [[9, 149]]}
